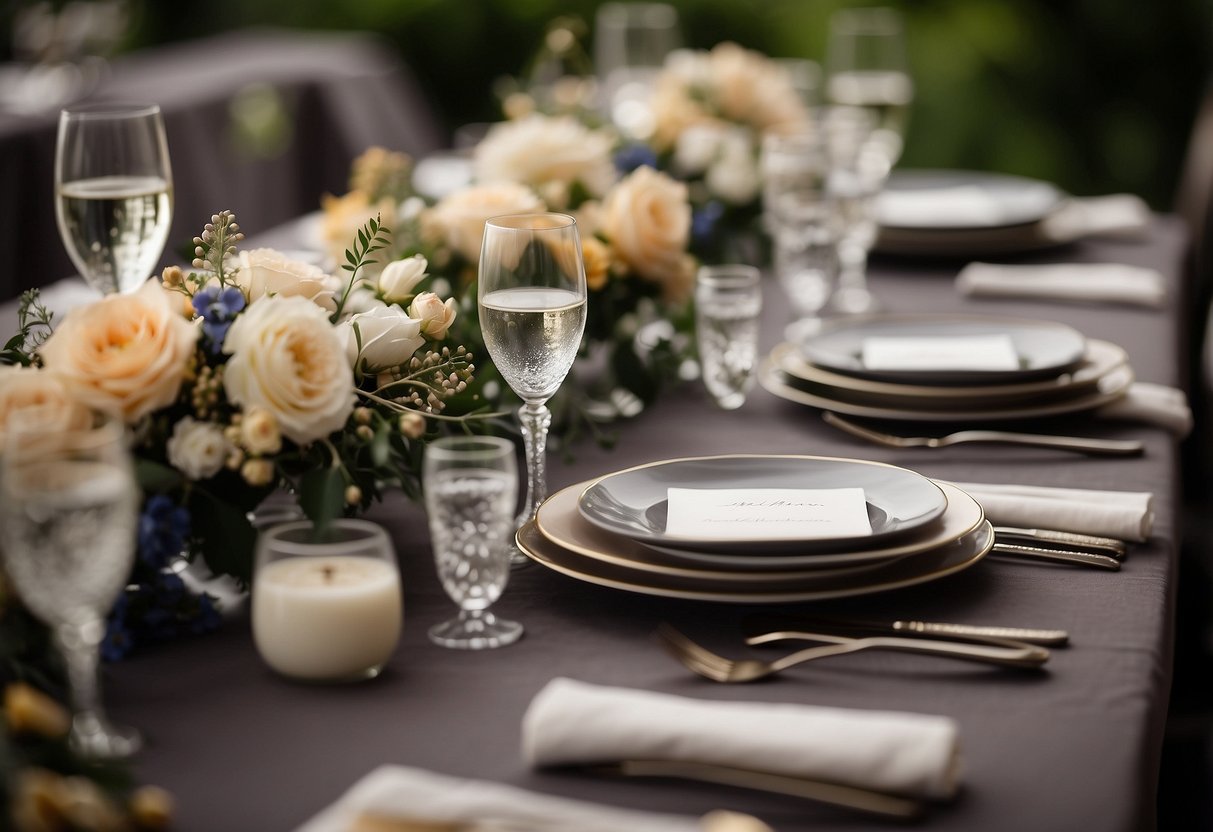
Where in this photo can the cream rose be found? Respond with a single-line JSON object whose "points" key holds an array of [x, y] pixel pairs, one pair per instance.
{"points": [[541, 150], [259, 433], [40, 397], [344, 216], [400, 277], [385, 337], [458, 220], [288, 359], [197, 449], [124, 354], [264, 271], [647, 219], [435, 316]]}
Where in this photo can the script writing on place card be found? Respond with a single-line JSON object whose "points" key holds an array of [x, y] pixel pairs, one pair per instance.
{"points": [[767, 513]]}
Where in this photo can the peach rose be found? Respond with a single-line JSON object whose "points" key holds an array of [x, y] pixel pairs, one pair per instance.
{"points": [[458, 220], [124, 354], [539, 150], [647, 219], [38, 395], [259, 433], [288, 359], [264, 271], [597, 258]]}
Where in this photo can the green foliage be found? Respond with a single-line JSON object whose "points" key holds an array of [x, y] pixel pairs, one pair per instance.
{"points": [[33, 328]]}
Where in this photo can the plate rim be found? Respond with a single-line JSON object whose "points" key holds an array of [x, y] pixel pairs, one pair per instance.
{"points": [[1060, 198], [765, 543], [774, 597]]}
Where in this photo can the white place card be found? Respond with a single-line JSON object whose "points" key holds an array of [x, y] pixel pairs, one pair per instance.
{"points": [[766, 513], [958, 352]]}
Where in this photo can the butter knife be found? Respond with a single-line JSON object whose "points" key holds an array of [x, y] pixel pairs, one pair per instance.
{"points": [[1066, 540], [1059, 555], [1031, 635]]}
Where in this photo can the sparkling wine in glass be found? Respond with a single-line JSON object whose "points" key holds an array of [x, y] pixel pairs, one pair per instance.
{"points": [[532, 304], [113, 193], [68, 515]]}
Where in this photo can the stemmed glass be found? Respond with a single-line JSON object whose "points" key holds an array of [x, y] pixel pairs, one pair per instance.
{"points": [[631, 42], [68, 515], [471, 485], [532, 303], [866, 72], [113, 193]]}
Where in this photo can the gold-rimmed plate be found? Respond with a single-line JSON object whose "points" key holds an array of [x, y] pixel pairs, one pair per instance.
{"points": [[937, 563], [559, 521]]}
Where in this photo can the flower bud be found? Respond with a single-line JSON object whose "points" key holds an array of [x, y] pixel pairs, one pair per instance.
{"points": [[28, 710], [353, 495], [412, 425], [257, 472]]}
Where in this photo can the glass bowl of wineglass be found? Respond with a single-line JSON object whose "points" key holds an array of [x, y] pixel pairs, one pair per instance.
{"points": [[532, 303], [113, 192]]}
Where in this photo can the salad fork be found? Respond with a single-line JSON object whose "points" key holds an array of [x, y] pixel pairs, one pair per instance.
{"points": [[1078, 444], [710, 665]]}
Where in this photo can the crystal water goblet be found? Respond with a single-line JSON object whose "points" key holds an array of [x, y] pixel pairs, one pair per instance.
{"points": [[113, 192], [531, 297], [728, 301], [631, 42], [69, 508], [471, 486]]}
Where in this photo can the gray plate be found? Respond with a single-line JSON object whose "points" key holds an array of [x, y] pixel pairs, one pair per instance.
{"points": [[634, 502], [1045, 349], [963, 200]]}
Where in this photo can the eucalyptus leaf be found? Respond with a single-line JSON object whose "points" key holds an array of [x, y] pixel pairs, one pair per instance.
{"points": [[322, 495]]}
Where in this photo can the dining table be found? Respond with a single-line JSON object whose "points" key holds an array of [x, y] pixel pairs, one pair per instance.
{"points": [[1073, 745]]}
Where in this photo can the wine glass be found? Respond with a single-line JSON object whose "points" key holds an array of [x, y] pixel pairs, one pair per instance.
{"points": [[113, 193], [471, 486], [631, 42], [69, 510], [532, 303]]}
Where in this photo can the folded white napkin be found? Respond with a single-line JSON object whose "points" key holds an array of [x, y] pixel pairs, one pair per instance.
{"points": [[1126, 515], [575, 723], [1118, 215], [402, 794], [1154, 404], [1100, 282]]}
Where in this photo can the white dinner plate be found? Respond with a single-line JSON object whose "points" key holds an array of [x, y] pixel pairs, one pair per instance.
{"points": [[902, 572], [633, 502], [1102, 357], [1044, 349], [1111, 387], [560, 521], [963, 200]]}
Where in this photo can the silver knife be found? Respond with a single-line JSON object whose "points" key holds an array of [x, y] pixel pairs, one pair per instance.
{"points": [[1031, 635], [1068, 540], [1059, 555]]}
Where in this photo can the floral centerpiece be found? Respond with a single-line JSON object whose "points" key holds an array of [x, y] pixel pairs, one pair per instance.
{"points": [[248, 374]]}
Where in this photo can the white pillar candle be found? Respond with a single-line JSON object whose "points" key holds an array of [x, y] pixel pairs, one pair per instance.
{"points": [[327, 618]]}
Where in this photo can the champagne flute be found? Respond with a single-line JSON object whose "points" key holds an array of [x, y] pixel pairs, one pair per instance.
{"points": [[113, 193], [532, 304], [69, 510]]}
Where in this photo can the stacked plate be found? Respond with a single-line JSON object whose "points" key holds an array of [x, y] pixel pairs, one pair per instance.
{"points": [[612, 531], [1052, 370]]}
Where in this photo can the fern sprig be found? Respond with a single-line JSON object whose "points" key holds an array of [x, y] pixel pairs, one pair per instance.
{"points": [[372, 237]]}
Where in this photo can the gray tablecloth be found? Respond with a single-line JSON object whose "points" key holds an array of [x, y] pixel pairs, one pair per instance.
{"points": [[261, 122], [1074, 747]]}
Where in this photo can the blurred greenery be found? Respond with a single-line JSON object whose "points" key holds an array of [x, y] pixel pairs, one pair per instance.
{"points": [[1096, 95]]}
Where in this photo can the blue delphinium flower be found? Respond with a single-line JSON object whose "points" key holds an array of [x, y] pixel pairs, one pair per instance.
{"points": [[118, 641], [633, 156], [703, 221], [164, 527], [218, 309]]}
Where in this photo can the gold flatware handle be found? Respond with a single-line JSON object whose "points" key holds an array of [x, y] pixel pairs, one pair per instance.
{"points": [[849, 797], [766, 622], [1067, 540], [1003, 652], [1057, 555]]}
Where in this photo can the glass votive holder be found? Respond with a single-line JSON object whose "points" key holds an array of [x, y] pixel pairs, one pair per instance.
{"points": [[728, 302], [327, 607]]}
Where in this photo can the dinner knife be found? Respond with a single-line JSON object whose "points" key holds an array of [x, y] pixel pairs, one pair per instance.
{"points": [[1066, 540], [1032, 635], [1058, 555]]}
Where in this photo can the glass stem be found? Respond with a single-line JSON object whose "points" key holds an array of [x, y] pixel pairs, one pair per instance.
{"points": [[535, 420], [80, 645]]}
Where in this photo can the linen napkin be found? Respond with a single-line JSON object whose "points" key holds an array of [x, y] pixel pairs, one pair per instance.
{"points": [[575, 723], [1114, 215], [1154, 404], [1100, 282], [400, 794], [1125, 515]]}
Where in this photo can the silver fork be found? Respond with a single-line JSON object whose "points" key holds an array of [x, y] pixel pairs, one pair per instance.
{"points": [[700, 660], [1078, 444]]}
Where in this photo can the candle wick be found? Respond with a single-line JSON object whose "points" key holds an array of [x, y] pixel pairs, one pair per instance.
{"points": [[328, 574]]}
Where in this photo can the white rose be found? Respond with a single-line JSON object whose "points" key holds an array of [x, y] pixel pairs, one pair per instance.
{"points": [[264, 271], [435, 316], [400, 278], [287, 358], [385, 337], [197, 449], [734, 176], [124, 354], [38, 396], [540, 150], [697, 147], [647, 219], [458, 220], [361, 299]]}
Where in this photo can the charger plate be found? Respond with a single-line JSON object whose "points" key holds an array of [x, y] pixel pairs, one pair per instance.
{"points": [[1100, 359], [633, 502], [559, 521], [1110, 387], [903, 572]]}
